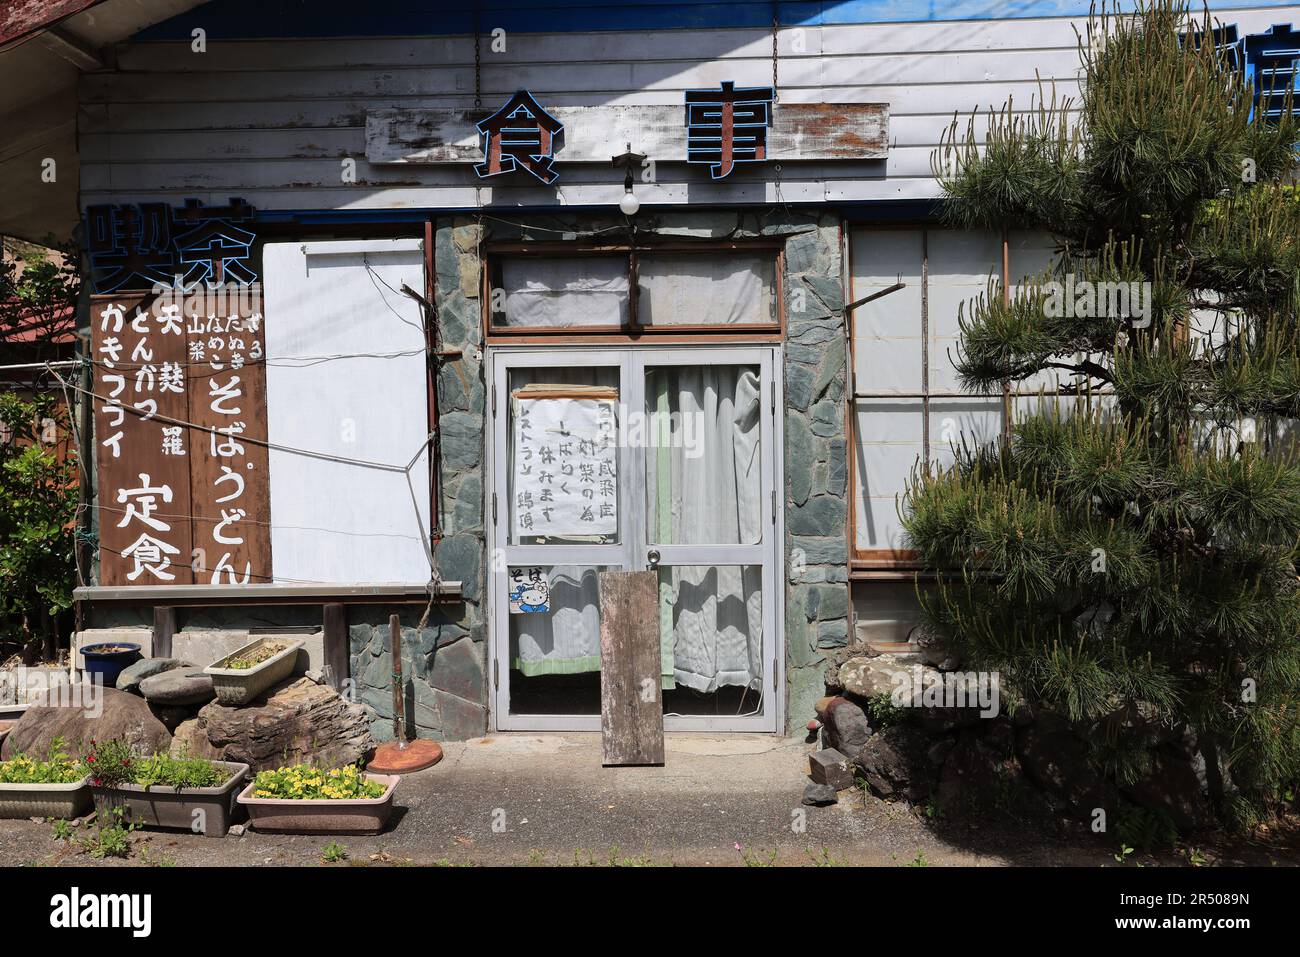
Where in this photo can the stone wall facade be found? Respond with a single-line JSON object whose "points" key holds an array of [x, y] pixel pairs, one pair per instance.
{"points": [[447, 662]]}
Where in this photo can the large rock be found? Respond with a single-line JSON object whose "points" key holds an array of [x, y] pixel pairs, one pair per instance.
{"points": [[1056, 759], [845, 726], [130, 677], [884, 674], [1172, 786], [975, 777], [895, 764], [103, 714], [295, 722], [181, 686]]}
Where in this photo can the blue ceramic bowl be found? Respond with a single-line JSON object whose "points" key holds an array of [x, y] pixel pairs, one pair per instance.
{"points": [[109, 664]]}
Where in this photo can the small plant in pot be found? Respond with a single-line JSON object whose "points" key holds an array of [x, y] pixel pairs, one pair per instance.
{"points": [[159, 790], [55, 786], [308, 800]]}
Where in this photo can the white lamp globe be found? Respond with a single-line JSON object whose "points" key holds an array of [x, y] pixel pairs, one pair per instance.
{"points": [[629, 204]]}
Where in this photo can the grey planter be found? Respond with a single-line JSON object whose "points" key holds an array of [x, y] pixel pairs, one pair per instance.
{"points": [[161, 806], [355, 816], [45, 800], [238, 686]]}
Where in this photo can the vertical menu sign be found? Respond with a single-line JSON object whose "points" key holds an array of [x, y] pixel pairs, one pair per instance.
{"points": [[143, 452], [229, 480]]}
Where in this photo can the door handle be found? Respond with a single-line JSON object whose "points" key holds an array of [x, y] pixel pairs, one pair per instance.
{"points": [[652, 559]]}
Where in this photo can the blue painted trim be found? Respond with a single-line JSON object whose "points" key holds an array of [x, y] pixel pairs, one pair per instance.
{"points": [[878, 211], [249, 19]]}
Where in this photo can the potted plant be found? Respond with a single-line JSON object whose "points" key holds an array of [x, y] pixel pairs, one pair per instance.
{"points": [[245, 673], [55, 787], [107, 660], [306, 800], [158, 790]]}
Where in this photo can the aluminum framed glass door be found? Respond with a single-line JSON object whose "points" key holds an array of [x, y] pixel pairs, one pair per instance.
{"points": [[695, 452]]}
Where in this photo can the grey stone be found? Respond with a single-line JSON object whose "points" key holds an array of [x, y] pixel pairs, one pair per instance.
{"points": [[798, 386], [819, 550], [798, 456], [457, 669], [173, 715], [830, 767], [847, 727], [823, 515], [819, 795], [179, 686], [832, 368], [868, 677], [803, 303], [895, 765], [825, 417], [294, 722], [837, 480], [467, 504], [829, 602], [461, 719], [119, 715], [460, 559], [130, 677], [461, 434], [828, 289], [833, 633]]}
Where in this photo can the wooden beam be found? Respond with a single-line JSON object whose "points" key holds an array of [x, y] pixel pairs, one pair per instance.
{"points": [[75, 51], [631, 698], [338, 655], [164, 627], [593, 134]]}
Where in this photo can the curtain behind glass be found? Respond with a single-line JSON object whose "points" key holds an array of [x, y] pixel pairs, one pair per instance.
{"points": [[704, 487], [704, 289], [569, 291]]}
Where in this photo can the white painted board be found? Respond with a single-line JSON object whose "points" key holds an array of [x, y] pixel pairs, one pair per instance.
{"points": [[340, 521]]}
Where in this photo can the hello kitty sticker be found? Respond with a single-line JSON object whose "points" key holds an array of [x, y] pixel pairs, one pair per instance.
{"points": [[530, 591]]}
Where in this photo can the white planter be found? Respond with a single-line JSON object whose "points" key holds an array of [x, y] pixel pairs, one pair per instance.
{"points": [[239, 686], [45, 800]]}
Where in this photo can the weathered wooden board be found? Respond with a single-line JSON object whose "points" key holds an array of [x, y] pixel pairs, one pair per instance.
{"points": [[631, 702], [229, 474], [143, 465], [593, 134]]}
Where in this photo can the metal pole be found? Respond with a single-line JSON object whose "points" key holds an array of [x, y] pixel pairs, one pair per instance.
{"points": [[395, 641]]}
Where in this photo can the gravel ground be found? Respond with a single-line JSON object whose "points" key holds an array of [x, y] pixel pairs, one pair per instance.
{"points": [[526, 799]]}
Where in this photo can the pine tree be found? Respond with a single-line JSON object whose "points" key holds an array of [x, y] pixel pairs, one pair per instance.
{"points": [[1135, 544]]}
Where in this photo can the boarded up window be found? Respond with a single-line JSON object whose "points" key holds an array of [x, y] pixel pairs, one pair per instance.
{"points": [[348, 383]]}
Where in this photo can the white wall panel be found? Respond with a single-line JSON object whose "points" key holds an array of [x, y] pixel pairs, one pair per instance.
{"points": [[337, 521]]}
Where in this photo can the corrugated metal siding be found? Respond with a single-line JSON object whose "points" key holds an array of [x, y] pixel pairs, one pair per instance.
{"points": [[272, 120]]}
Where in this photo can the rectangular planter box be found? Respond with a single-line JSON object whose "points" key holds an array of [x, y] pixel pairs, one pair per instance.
{"points": [[162, 806], [238, 686], [45, 800], [358, 816]]}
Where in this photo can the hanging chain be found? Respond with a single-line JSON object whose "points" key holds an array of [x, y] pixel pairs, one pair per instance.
{"points": [[775, 9], [478, 63]]}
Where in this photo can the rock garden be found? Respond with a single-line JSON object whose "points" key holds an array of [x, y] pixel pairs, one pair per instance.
{"points": [[889, 725], [174, 744]]}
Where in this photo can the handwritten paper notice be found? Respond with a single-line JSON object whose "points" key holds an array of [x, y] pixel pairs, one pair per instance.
{"points": [[565, 463]]}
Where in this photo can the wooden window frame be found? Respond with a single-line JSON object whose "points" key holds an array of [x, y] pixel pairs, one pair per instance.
{"points": [[898, 563], [630, 332]]}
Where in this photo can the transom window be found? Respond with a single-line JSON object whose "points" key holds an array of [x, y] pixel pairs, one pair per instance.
{"points": [[540, 289]]}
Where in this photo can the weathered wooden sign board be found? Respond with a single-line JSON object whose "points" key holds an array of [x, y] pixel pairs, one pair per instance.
{"points": [[183, 495], [631, 699], [593, 134]]}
